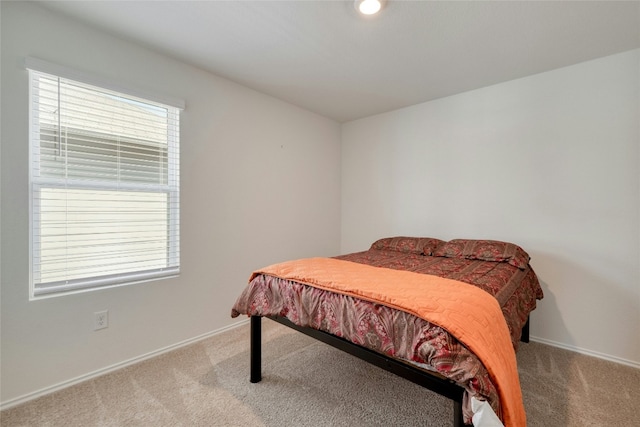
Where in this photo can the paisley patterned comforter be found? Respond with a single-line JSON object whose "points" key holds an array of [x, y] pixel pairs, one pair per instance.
{"points": [[397, 333]]}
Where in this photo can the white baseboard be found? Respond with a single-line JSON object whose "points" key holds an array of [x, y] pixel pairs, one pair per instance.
{"points": [[56, 387], [580, 350]]}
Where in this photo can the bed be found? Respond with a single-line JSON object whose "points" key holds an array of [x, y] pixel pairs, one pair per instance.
{"points": [[379, 329]]}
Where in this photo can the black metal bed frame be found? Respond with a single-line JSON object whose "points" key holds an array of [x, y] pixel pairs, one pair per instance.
{"points": [[438, 384]]}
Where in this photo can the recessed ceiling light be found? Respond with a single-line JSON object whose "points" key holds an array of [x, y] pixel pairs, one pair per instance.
{"points": [[368, 7]]}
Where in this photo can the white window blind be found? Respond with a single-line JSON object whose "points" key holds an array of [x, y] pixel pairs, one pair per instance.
{"points": [[104, 186]]}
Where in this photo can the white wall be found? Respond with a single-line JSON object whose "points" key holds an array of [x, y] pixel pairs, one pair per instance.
{"points": [[550, 162], [260, 184]]}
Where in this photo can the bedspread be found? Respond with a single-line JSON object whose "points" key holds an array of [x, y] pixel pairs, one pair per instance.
{"points": [[397, 333]]}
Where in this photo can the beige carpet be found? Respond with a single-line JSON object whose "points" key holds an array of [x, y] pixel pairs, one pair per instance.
{"points": [[307, 383]]}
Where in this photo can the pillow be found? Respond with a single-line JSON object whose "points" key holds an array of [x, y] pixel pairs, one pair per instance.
{"points": [[414, 245], [485, 250]]}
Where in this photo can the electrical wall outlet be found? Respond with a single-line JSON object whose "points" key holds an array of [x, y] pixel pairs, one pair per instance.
{"points": [[100, 320]]}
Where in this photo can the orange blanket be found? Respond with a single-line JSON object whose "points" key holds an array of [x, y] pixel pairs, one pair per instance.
{"points": [[466, 312]]}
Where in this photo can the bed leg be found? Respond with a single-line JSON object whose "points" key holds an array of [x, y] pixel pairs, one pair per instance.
{"points": [[524, 335], [256, 349], [458, 419]]}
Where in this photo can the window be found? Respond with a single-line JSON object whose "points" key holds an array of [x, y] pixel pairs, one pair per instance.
{"points": [[104, 184]]}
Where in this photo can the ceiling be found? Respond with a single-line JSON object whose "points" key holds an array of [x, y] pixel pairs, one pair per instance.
{"points": [[323, 56]]}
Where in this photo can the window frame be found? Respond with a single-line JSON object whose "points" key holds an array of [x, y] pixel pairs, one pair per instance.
{"points": [[37, 183]]}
